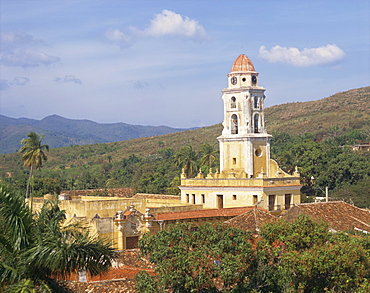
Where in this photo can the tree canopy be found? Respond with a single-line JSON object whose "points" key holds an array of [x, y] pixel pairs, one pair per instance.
{"points": [[330, 162], [33, 153], [205, 259], [302, 256]]}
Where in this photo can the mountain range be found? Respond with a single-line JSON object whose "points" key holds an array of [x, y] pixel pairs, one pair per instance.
{"points": [[341, 112], [61, 132]]}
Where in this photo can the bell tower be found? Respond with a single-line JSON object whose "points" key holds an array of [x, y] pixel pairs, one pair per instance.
{"points": [[247, 175], [244, 143]]}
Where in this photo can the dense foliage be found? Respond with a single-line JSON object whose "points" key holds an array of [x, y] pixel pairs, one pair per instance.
{"points": [[155, 173], [330, 162], [302, 256], [33, 248], [197, 260]]}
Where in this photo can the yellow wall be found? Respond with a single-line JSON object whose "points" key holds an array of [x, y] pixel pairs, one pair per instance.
{"points": [[85, 208], [259, 162], [233, 151], [240, 197], [89, 206]]}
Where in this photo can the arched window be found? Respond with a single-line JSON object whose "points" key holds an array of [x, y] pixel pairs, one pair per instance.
{"points": [[256, 102], [256, 122], [233, 102], [234, 124]]}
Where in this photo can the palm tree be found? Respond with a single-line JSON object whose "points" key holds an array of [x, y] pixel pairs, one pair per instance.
{"points": [[33, 248], [33, 153], [209, 155], [186, 158]]}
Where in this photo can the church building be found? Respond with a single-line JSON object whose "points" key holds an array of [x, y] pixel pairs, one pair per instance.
{"points": [[247, 178], [247, 175]]}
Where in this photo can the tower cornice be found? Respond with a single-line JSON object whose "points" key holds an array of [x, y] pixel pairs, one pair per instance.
{"points": [[249, 137], [243, 89]]}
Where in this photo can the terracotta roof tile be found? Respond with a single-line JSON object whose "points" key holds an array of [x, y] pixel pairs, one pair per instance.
{"points": [[156, 196], [339, 215], [227, 212], [251, 220], [242, 64]]}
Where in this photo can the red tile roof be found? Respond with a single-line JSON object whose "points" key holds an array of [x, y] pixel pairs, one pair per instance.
{"points": [[339, 215], [251, 220], [242, 63], [211, 213], [156, 196]]}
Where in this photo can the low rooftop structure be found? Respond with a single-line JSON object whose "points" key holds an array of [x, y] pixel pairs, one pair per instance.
{"points": [[252, 220], [156, 196], [339, 215], [361, 146], [205, 215]]}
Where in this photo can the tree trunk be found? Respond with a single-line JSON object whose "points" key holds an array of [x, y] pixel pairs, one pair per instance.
{"points": [[29, 181]]}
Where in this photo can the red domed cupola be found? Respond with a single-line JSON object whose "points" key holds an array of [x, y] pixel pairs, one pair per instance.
{"points": [[242, 64]]}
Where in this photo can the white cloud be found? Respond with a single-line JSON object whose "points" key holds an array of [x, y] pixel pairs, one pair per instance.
{"points": [[18, 49], [20, 80], [69, 78], [27, 58], [11, 41], [171, 23], [165, 23], [324, 55], [123, 40]]}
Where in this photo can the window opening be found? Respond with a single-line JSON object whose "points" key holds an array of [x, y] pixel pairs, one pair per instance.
{"points": [[220, 201], [132, 242], [234, 161], [271, 202], [256, 121], [233, 102], [234, 124], [256, 104], [288, 198], [255, 199], [234, 196]]}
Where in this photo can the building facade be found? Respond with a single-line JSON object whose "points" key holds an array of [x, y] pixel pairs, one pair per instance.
{"points": [[247, 175]]}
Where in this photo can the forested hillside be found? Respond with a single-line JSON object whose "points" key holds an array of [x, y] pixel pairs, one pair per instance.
{"points": [[61, 132], [317, 139]]}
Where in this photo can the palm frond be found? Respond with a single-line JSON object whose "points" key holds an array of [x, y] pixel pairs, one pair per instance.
{"points": [[17, 220], [33, 248]]}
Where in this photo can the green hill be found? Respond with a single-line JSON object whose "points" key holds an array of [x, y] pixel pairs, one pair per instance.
{"points": [[61, 132], [330, 116], [342, 111]]}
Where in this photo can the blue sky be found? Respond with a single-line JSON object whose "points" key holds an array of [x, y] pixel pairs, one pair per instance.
{"points": [[166, 62]]}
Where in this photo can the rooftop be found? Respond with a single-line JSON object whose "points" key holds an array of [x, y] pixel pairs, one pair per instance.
{"points": [[251, 220], [211, 213], [339, 215], [156, 196]]}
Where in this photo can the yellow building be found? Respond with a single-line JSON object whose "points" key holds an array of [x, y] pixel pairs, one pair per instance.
{"points": [[247, 175]]}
